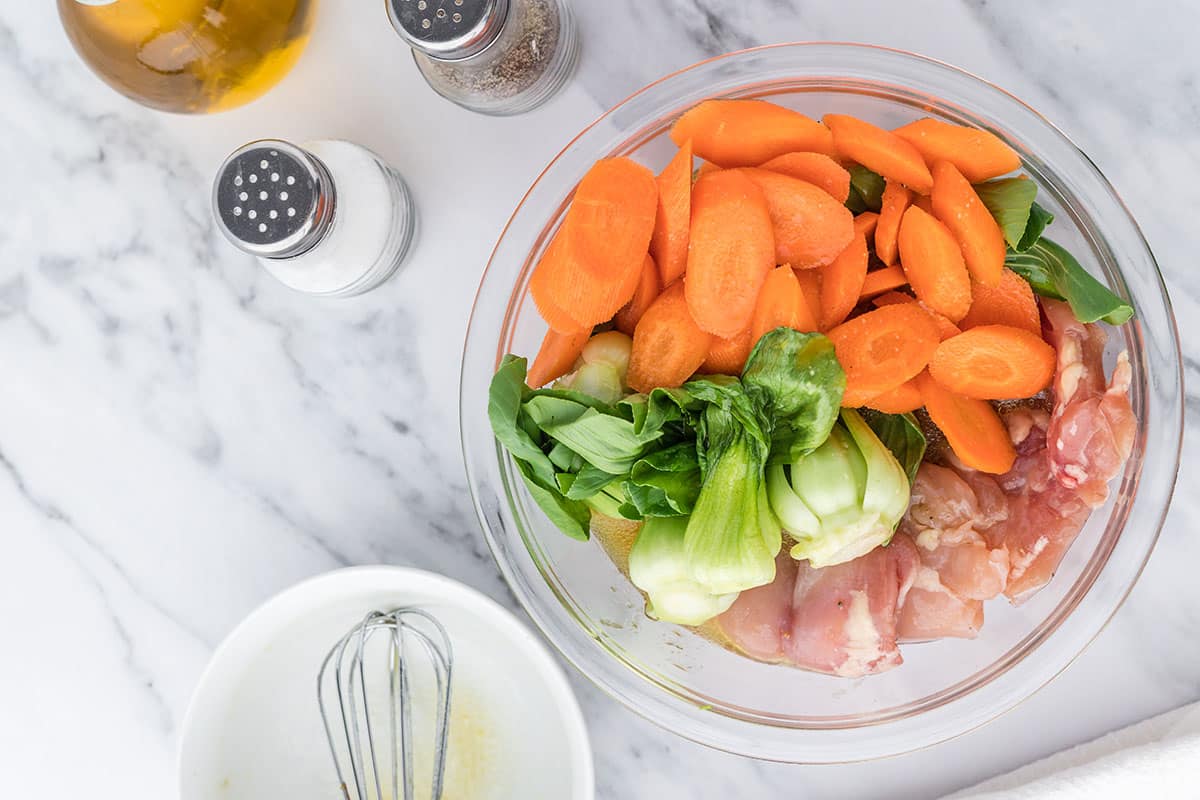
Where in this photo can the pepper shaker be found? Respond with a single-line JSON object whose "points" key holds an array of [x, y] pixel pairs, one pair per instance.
{"points": [[493, 56], [329, 218]]}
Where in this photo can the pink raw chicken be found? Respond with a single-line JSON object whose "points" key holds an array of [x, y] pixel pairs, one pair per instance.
{"points": [[840, 620], [958, 571], [1064, 463]]}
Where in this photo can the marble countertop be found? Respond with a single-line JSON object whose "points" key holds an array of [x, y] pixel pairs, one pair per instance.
{"points": [[181, 437]]}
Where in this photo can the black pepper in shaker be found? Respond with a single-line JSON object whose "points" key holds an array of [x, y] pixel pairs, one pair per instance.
{"points": [[492, 56]]}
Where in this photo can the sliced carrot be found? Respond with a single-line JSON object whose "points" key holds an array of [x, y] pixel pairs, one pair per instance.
{"points": [[816, 168], [896, 200], [994, 362], [882, 349], [945, 327], [810, 289], [604, 240], [878, 281], [973, 429], [731, 250], [745, 133], [865, 223], [934, 264], [648, 289], [705, 168], [842, 282], [728, 356], [557, 355], [669, 242], [957, 206], [923, 202], [879, 150], [781, 304], [810, 227], [668, 346], [1010, 302], [904, 398], [556, 317], [978, 154]]}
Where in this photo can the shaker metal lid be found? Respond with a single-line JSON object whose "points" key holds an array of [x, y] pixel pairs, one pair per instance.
{"points": [[449, 30], [273, 199]]}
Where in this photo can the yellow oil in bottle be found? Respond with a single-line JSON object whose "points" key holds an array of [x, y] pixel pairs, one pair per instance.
{"points": [[189, 56]]}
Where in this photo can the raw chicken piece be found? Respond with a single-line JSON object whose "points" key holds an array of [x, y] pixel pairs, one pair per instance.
{"points": [[1092, 427], [839, 620], [958, 570]]}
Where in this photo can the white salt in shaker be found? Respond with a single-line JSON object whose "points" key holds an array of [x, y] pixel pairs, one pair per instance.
{"points": [[328, 218]]}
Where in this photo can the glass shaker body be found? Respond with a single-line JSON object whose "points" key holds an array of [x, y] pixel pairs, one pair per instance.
{"points": [[329, 218], [531, 57], [190, 56]]}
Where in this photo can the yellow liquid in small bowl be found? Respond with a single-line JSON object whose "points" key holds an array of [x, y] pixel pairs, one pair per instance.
{"points": [[189, 56]]}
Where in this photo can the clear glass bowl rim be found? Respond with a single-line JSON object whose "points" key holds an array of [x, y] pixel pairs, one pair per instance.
{"points": [[1093, 604]]}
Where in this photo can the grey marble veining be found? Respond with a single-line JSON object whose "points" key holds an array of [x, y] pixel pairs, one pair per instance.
{"points": [[180, 437]]}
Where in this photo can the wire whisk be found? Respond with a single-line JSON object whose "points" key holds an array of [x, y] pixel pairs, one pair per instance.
{"points": [[356, 730]]}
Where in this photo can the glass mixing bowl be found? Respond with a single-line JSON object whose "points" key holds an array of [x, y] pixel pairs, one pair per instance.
{"points": [[694, 687]]}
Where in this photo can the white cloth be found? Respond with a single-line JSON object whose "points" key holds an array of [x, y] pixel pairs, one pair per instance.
{"points": [[1158, 759]]}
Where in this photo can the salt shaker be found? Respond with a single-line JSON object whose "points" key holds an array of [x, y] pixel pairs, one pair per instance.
{"points": [[492, 56], [328, 218]]}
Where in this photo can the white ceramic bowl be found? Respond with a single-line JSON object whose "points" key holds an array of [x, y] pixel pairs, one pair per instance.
{"points": [[253, 730]]}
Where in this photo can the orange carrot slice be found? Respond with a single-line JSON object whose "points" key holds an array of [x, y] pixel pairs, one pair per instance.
{"points": [[810, 290], [904, 398], [557, 355], [648, 289], [994, 362], [604, 240], [934, 264], [866, 223], [882, 349], [810, 227], [815, 168], [895, 202], [745, 133], [781, 304], [945, 327], [978, 154], [842, 282], [668, 346], [957, 206], [557, 318], [669, 242], [878, 281], [705, 168], [731, 250], [728, 356], [1009, 302], [879, 150], [973, 429]]}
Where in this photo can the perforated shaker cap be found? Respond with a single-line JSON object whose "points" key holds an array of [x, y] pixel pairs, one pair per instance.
{"points": [[449, 30], [273, 199]]}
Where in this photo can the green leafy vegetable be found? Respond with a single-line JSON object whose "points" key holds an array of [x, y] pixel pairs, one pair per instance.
{"points": [[842, 500], [660, 567], [732, 536], [1039, 218], [665, 483], [570, 516], [504, 412], [1054, 273], [866, 190], [900, 433], [590, 479], [1010, 200], [797, 383], [607, 441]]}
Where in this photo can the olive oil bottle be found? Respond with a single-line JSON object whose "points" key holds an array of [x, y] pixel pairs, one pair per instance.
{"points": [[189, 56]]}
